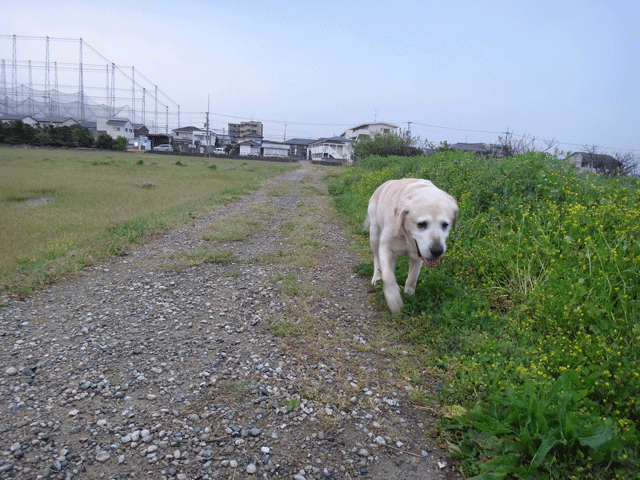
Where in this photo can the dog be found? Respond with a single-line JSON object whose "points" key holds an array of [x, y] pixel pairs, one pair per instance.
{"points": [[413, 217]]}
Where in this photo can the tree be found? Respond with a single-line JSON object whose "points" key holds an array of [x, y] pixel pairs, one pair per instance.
{"points": [[82, 136], [512, 144], [385, 145], [105, 142], [120, 143]]}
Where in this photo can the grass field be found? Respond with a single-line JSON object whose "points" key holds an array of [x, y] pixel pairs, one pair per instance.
{"points": [[63, 209]]}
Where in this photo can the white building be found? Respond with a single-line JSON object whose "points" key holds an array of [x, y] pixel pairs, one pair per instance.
{"points": [[334, 149], [370, 129], [274, 149], [115, 127]]}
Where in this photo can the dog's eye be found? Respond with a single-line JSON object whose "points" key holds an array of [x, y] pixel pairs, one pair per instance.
{"points": [[423, 225], [445, 225]]}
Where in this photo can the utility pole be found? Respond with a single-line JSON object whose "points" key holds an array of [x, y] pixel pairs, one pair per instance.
{"points": [[409, 128], [207, 126]]}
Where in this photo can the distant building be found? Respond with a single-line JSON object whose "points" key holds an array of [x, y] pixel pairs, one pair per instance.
{"points": [[595, 162], [51, 121], [330, 150], [369, 129], [298, 147], [274, 149], [239, 131], [249, 148], [115, 127], [26, 119]]}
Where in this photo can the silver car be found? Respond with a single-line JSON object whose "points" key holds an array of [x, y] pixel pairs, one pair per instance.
{"points": [[165, 147]]}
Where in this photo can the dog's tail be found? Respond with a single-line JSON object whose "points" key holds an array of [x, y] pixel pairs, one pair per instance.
{"points": [[367, 223]]}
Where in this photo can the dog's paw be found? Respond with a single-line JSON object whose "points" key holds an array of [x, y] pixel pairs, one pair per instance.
{"points": [[376, 276], [394, 298], [410, 290]]}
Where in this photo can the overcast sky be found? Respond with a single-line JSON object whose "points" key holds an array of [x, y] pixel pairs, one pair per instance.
{"points": [[459, 71]]}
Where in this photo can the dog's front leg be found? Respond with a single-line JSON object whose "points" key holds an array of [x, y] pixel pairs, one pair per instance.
{"points": [[390, 284], [412, 279]]}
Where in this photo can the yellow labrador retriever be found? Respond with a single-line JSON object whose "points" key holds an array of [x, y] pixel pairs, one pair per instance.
{"points": [[410, 217]]}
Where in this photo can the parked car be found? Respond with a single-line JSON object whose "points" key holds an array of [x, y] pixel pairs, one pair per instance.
{"points": [[165, 147], [219, 151]]}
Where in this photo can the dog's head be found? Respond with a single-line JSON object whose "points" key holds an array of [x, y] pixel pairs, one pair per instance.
{"points": [[425, 222]]}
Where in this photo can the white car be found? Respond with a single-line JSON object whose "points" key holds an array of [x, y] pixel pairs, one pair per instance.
{"points": [[165, 147]]}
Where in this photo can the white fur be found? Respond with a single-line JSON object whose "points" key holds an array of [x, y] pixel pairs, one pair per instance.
{"points": [[404, 216]]}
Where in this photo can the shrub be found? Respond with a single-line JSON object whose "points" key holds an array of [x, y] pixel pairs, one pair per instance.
{"points": [[105, 141], [385, 145]]}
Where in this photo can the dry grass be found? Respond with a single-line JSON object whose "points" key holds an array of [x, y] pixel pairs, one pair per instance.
{"points": [[70, 208]]}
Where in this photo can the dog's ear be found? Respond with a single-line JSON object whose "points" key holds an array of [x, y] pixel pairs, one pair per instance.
{"points": [[399, 214]]}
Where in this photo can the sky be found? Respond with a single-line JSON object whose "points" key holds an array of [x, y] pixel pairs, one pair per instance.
{"points": [[460, 71]]}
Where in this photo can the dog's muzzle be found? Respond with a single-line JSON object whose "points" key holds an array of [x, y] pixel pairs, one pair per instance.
{"points": [[436, 252]]}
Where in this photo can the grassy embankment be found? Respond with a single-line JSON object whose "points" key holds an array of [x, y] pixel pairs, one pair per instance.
{"points": [[532, 319], [61, 210]]}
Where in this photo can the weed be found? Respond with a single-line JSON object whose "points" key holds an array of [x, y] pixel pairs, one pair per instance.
{"points": [[292, 405]]}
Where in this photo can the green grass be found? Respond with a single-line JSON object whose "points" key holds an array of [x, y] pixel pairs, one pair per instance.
{"points": [[531, 320], [61, 210]]}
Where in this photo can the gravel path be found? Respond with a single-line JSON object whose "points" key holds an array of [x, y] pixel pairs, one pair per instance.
{"points": [[261, 366]]}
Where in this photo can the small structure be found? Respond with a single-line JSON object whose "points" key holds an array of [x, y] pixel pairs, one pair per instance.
{"points": [[334, 150], [274, 149], [369, 129], [249, 148]]}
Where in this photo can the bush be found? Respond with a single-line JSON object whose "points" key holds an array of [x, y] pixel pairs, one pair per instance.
{"points": [[105, 142], [385, 145], [120, 143], [532, 314]]}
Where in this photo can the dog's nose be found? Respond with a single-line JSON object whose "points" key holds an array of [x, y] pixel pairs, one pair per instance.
{"points": [[436, 250]]}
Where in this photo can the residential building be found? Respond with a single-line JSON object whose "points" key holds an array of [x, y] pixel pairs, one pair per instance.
{"points": [[274, 149], [331, 150], [140, 129], [595, 162], [51, 121], [193, 137], [249, 148], [369, 129], [115, 127], [298, 147], [239, 131], [26, 119]]}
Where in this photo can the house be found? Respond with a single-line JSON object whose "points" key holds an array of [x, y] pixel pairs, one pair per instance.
{"points": [[91, 126], [334, 150], [140, 129], [298, 147], [26, 119], [274, 149], [51, 121], [115, 127], [595, 162], [193, 137], [478, 148], [249, 148], [369, 129]]}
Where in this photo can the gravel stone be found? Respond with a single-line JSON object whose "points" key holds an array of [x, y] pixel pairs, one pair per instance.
{"points": [[263, 362]]}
